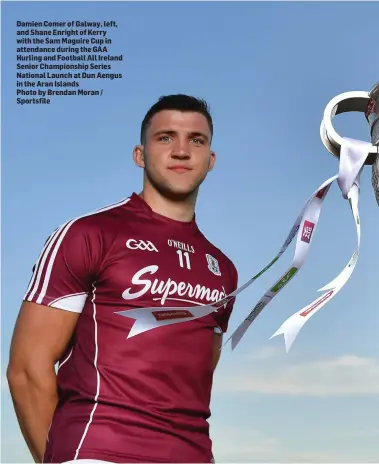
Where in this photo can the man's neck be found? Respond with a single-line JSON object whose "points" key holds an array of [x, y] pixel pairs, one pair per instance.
{"points": [[178, 210]]}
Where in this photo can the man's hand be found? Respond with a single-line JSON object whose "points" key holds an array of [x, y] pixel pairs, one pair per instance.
{"points": [[40, 338]]}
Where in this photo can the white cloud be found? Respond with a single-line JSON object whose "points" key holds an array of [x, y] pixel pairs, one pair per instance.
{"points": [[335, 458], [241, 445], [267, 374], [265, 353]]}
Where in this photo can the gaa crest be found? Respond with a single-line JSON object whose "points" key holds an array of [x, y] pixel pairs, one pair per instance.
{"points": [[213, 265]]}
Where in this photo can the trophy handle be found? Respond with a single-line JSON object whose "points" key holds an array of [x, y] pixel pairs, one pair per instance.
{"points": [[343, 103]]}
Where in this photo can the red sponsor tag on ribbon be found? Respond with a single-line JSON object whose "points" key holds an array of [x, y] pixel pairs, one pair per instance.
{"points": [[168, 315]]}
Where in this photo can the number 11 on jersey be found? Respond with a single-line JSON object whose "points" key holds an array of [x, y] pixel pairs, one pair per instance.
{"points": [[181, 259]]}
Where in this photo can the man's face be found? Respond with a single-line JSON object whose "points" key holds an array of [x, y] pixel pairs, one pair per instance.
{"points": [[177, 154]]}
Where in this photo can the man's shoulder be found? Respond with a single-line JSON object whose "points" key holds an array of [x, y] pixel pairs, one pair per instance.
{"points": [[102, 219]]}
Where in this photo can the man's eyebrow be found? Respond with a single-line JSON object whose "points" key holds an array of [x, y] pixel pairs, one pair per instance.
{"points": [[198, 134], [171, 132], [168, 132]]}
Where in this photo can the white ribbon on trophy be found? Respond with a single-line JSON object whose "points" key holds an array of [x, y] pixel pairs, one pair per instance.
{"points": [[292, 326], [353, 155]]}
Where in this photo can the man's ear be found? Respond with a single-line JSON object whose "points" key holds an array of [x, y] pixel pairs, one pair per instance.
{"points": [[212, 161], [139, 156]]}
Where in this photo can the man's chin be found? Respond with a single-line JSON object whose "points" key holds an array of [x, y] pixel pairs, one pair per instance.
{"points": [[179, 193]]}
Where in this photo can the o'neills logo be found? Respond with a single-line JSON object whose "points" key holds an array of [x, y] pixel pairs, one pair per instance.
{"points": [[169, 289], [168, 315]]}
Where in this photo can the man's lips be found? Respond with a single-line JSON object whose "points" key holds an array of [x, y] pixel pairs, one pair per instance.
{"points": [[180, 169]]}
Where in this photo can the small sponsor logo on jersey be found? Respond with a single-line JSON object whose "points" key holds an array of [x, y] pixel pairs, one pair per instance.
{"points": [[143, 245], [306, 234], [213, 265], [168, 315], [180, 245], [164, 290]]}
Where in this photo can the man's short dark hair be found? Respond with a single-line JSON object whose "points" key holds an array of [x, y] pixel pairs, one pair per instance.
{"points": [[179, 102]]}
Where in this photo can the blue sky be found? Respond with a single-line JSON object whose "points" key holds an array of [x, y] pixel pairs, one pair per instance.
{"points": [[267, 70]]}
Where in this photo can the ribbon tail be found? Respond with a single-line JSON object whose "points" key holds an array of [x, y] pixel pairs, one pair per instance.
{"points": [[237, 335], [290, 330], [292, 326]]}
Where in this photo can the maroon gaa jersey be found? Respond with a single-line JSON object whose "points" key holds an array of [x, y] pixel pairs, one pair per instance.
{"points": [[144, 398]]}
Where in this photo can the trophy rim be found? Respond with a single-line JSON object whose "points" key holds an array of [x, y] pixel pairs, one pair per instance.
{"points": [[355, 101]]}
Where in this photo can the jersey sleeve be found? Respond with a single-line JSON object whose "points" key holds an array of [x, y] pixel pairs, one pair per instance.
{"points": [[66, 268], [223, 314]]}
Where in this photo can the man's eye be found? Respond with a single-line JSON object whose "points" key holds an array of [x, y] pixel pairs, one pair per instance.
{"points": [[164, 138], [198, 141]]}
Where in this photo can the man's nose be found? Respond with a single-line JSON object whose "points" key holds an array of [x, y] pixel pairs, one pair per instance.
{"points": [[181, 150]]}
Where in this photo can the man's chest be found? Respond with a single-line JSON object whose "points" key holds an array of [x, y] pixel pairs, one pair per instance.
{"points": [[156, 268]]}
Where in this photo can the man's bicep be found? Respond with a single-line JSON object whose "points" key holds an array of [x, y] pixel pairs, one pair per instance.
{"points": [[41, 335], [61, 281]]}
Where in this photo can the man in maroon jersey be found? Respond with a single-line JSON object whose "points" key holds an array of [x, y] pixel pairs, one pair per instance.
{"points": [[114, 398]]}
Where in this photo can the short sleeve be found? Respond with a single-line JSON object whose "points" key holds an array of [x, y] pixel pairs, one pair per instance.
{"points": [[63, 275], [223, 314]]}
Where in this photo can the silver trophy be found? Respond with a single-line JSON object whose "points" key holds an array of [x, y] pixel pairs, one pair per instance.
{"points": [[372, 116], [365, 102]]}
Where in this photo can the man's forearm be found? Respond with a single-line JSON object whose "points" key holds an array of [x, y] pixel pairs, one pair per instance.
{"points": [[35, 399]]}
